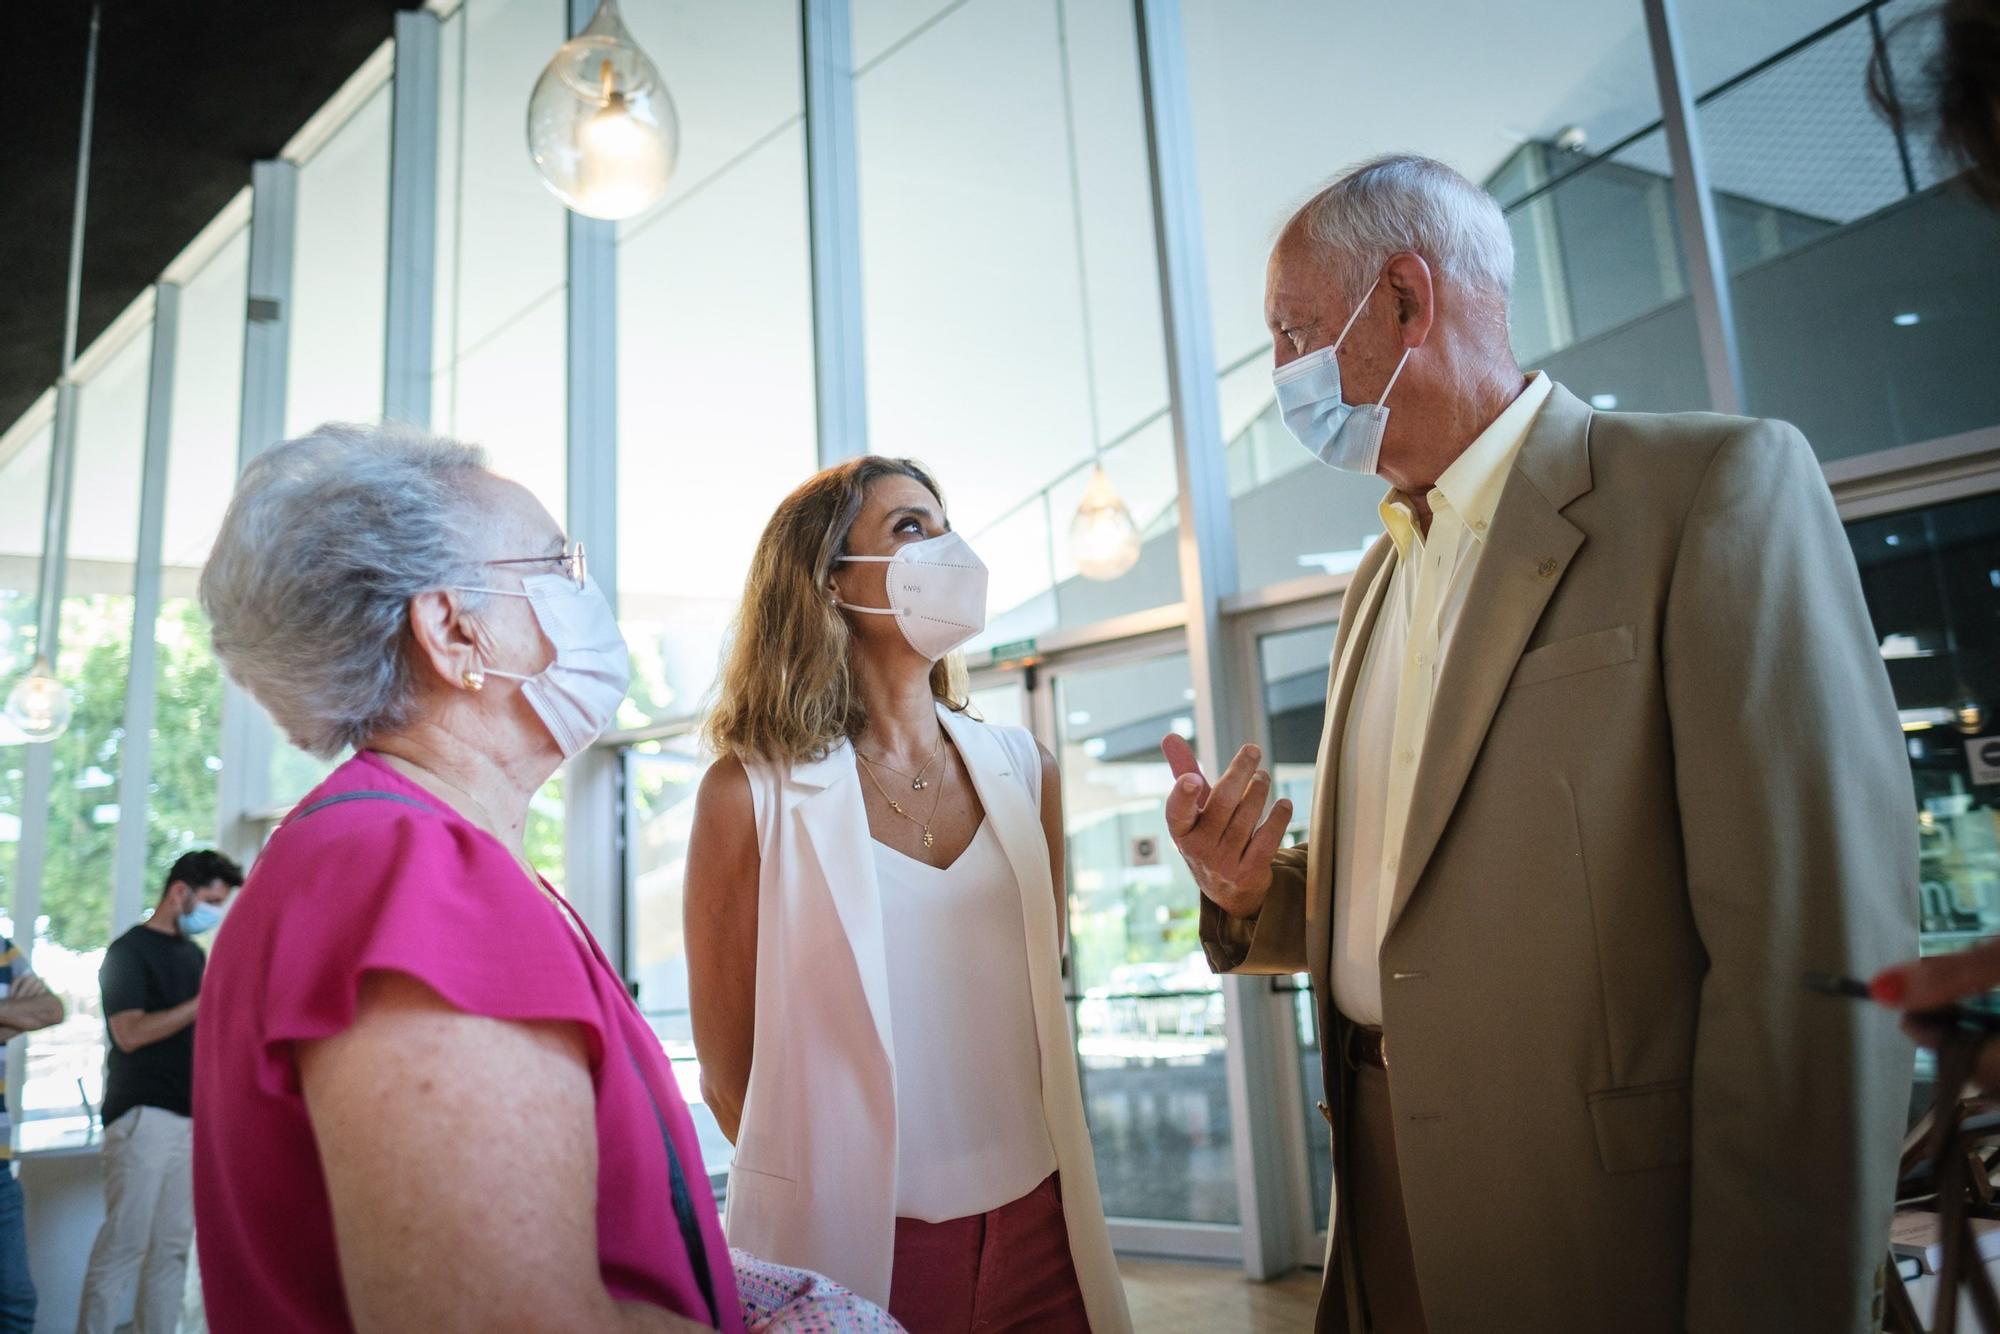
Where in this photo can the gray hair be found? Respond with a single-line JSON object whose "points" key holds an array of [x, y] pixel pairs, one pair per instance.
{"points": [[1405, 202], [309, 585]]}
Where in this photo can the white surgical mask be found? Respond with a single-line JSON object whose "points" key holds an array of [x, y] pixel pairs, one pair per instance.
{"points": [[937, 593], [1337, 433], [577, 695]]}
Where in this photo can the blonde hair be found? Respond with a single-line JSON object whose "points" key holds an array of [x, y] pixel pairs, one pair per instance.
{"points": [[788, 691]]}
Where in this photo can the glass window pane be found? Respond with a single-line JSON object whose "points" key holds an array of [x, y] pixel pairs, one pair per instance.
{"points": [[94, 661], [339, 267], [1866, 285], [1013, 321], [1149, 1013], [1600, 300], [500, 327], [201, 466], [715, 391], [1932, 581], [1292, 677], [24, 482], [661, 780]]}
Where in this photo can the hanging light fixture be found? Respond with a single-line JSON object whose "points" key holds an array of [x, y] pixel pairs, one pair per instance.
{"points": [[39, 705], [1103, 539], [602, 129]]}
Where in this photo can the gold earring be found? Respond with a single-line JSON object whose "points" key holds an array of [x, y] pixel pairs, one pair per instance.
{"points": [[475, 680]]}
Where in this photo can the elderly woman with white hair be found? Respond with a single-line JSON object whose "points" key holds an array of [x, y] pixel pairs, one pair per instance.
{"points": [[427, 1101]]}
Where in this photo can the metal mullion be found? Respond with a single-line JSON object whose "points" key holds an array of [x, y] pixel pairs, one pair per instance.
{"points": [[1208, 575], [833, 211], [1701, 237], [413, 197], [593, 853], [248, 738], [135, 769]]}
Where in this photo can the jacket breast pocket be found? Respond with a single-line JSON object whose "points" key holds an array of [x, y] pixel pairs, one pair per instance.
{"points": [[1572, 657], [1643, 1127]]}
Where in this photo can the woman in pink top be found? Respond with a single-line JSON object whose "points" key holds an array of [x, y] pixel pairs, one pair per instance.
{"points": [[427, 1101]]}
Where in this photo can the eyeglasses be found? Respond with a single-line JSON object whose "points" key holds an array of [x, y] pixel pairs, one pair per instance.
{"points": [[570, 561]]}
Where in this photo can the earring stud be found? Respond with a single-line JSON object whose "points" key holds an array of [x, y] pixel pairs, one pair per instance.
{"points": [[475, 680]]}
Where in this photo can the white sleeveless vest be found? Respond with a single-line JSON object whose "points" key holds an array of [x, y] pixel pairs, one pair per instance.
{"points": [[814, 1182]]}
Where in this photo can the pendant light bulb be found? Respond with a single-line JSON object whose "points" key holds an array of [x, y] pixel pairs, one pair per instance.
{"points": [[39, 705], [1102, 537], [602, 129]]}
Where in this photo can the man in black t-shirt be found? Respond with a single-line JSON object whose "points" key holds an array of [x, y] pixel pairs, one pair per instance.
{"points": [[152, 985]]}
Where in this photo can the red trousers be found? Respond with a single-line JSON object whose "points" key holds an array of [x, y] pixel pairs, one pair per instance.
{"points": [[1007, 1269]]}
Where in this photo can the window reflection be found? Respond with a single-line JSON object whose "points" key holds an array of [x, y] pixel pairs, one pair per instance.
{"points": [[1292, 675], [1148, 1012], [661, 778], [1932, 580]]}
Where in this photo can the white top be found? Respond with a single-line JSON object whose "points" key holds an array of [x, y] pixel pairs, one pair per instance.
{"points": [[1391, 712], [813, 1184], [971, 1133]]}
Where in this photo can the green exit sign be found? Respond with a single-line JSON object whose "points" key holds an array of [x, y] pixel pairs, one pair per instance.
{"points": [[1017, 650]]}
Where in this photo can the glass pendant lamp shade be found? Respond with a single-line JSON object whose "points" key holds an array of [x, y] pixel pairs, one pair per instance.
{"points": [[1102, 537], [39, 705], [601, 128]]}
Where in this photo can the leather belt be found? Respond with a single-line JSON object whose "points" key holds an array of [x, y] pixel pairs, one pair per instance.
{"points": [[1367, 1046]]}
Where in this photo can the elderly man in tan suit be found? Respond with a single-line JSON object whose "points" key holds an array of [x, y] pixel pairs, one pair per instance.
{"points": [[1610, 762]]}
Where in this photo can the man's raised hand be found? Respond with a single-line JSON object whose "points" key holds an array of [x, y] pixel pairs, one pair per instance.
{"points": [[1218, 830]]}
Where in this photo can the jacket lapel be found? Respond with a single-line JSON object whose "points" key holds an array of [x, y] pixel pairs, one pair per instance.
{"points": [[1358, 612], [833, 826], [1526, 556]]}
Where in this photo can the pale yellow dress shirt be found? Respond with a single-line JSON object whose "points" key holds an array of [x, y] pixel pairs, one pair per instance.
{"points": [[1393, 694]]}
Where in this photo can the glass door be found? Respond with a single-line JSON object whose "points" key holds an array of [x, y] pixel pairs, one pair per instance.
{"points": [[1148, 1013], [1292, 668]]}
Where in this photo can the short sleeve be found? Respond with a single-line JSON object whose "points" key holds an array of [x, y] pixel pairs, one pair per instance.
{"points": [[372, 886], [123, 978]]}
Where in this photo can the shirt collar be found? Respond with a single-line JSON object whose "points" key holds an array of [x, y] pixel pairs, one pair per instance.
{"points": [[1471, 486]]}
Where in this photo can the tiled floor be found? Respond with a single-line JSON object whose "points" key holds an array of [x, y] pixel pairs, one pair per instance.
{"points": [[1173, 1297]]}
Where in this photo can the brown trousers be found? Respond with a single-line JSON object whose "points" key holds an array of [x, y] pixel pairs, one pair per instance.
{"points": [[1375, 1209]]}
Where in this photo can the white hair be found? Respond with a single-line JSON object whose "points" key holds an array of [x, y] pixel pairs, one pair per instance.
{"points": [[308, 588], [1404, 202]]}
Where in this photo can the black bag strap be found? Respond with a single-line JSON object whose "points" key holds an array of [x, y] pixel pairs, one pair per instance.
{"points": [[683, 1198], [684, 1214]]}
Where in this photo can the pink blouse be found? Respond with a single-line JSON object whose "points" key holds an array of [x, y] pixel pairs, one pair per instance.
{"points": [[405, 885]]}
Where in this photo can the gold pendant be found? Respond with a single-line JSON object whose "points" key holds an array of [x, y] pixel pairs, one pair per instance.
{"points": [[894, 807], [927, 838]]}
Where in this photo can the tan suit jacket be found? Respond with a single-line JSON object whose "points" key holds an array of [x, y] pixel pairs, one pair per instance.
{"points": [[1663, 779]]}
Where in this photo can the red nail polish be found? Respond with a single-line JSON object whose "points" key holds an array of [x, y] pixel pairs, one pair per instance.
{"points": [[1889, 988]]}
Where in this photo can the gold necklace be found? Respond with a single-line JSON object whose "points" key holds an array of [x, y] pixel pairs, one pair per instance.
{"points": [[918, 780], [896, 806]]}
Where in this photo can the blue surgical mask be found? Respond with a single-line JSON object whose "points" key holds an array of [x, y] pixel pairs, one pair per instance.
{"points": [[200, 919], [1337, 433]]}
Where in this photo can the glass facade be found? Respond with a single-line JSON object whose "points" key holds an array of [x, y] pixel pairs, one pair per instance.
{"points": [[1148, 1012], [1012, 302], [1013, 335], [715, 387]]}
